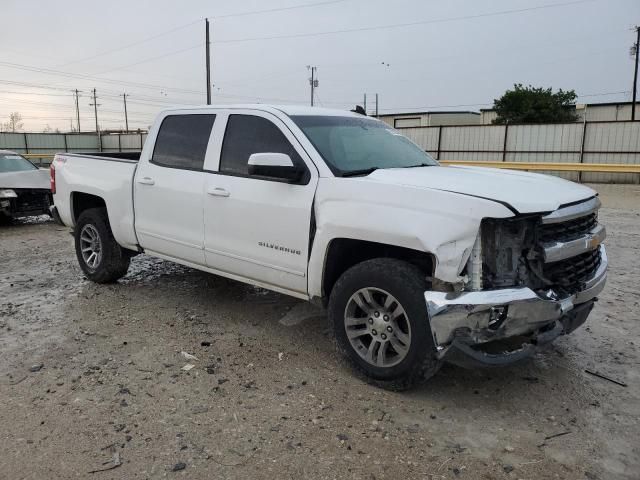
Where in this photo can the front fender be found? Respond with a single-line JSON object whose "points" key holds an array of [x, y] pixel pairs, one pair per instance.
{"points": [[442, 223]]}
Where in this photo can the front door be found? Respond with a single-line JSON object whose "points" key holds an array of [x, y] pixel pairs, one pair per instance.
{"points": [[258, 228]]}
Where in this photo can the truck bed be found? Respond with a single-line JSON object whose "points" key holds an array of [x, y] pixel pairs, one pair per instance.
{"points": [[130, 156], [106, 175]]}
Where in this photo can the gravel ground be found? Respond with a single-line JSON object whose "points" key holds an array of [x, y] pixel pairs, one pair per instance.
{"points": [[92, 378]]}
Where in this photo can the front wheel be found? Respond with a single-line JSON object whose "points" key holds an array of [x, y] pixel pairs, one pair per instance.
{"points": [[101, 258], [379, 316]]}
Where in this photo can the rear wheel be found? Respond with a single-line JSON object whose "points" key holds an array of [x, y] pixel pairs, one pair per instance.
{"points": [[379, 316], [101, 258]]}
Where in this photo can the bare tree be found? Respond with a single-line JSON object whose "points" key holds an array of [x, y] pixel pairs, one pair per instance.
{"points": [[14, 124]]}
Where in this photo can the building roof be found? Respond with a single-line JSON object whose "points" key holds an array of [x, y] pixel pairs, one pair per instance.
{"points": [[432, 112]]}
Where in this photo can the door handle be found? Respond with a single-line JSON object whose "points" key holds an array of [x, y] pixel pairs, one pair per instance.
{"points": [[146, 181], [218, 192]]}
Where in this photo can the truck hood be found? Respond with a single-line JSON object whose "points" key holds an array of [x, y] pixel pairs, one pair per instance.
{"points": [[521, 191], [28, 179]]}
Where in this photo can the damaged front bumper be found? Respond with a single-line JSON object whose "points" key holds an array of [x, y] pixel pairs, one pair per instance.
{"points": [[494, 327]]}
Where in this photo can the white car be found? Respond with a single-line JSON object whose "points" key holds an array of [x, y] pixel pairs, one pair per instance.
{"points": [[24, 188], [417, 263]]}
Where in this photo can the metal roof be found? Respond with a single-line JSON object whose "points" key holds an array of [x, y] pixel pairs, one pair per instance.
{"points": [[432, 112]]}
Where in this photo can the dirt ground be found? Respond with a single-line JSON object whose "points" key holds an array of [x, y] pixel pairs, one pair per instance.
{"points": [[92, 378]]}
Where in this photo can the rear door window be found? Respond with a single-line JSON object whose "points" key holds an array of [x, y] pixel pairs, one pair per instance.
{"points": [[182, 141]]}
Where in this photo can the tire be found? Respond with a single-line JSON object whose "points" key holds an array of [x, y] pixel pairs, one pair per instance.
{"points": [[111, 261], [410, 354]]}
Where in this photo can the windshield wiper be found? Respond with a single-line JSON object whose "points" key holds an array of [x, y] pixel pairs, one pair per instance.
{"points": [[420, 165], [355, 173]]}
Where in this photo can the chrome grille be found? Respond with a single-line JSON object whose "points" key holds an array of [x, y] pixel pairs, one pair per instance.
{"points": [[565, 231], [570, 275]]}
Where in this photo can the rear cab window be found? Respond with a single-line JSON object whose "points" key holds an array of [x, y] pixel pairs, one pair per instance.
{"points": [[182, 141]]}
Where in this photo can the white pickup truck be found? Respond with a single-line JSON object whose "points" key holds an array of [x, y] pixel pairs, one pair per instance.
{"points": [[416, 263]]}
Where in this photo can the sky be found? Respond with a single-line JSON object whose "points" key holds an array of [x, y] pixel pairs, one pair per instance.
{"points": [[417, 55]]}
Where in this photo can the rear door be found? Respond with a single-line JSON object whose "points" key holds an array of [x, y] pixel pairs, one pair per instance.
{"points": [[169, 188], [258, 228]]}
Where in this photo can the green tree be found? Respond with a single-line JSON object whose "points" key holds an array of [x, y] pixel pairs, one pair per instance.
{"points": [[535, 105]]}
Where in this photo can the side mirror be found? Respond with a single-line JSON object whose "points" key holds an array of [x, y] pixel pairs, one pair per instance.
{"points": [[274, 165]]}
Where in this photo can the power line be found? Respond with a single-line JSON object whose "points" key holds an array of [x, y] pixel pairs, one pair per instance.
{"points": [[129, 45], [150, 59], [33, 93], [59, 105], [48, 71], [622, 92], [280, 9], [111, 93], [181, 27], [403, 25]]}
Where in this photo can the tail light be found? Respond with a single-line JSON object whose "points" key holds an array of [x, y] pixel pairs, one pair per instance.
{"points": [[52, 171]]}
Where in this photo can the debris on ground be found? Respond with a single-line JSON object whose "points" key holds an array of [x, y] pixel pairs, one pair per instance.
{"points": [[604, 377], [36, 368], [178, 466], [555, 435], [188, 367], [188, 356], [549, 437], [115, 462]]}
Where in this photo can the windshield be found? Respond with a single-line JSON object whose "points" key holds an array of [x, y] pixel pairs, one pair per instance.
{"points": [[352, 145], [12, 162]]}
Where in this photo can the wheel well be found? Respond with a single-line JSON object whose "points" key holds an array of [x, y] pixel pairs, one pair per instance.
{"points": [[83, 201], [344, 253]]}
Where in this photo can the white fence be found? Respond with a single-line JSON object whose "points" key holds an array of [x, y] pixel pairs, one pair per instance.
{"points": [[49, 143], [591, 142]]}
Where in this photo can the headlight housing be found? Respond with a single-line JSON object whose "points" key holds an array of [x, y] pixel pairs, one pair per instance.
{"points": [[507, 245], [7, 193]]}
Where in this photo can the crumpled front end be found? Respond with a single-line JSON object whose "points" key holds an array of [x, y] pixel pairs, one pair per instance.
{"points": [[24, 202], [530, 279]]}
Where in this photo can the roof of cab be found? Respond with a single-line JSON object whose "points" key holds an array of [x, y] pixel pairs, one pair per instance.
{"points": [[286, 109]]}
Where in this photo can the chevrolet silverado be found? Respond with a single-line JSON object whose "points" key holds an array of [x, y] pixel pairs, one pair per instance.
{"points": [[416, 263]]}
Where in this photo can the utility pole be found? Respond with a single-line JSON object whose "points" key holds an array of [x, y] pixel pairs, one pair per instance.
{"points": [[208, 59], [77, 92], [376, 105], [126, 117], [313, 81], [95, 106], [635, 50], [365, 103]]}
